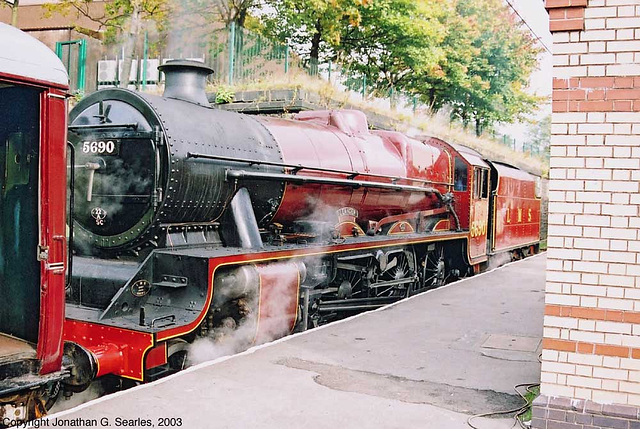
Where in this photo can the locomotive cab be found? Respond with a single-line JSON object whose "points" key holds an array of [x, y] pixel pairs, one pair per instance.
{"points": [[475, 193]]}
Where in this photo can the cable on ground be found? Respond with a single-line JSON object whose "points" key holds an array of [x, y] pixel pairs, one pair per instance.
{"points": [[518, 411]]}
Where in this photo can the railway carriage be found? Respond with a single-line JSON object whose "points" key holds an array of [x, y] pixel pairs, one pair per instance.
{"points": [[33, 251], [514, 213]]}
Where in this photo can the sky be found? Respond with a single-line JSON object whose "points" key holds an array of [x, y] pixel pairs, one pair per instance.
{"points": [[533, 12], [535, 15]]}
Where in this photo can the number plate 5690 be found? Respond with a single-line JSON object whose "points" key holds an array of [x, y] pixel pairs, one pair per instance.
{"points": [[101, 147]]}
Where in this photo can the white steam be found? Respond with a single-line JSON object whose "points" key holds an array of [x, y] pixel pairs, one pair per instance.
{"points": [[498, 260], [224, 341], [94, 391], [264, 318]]}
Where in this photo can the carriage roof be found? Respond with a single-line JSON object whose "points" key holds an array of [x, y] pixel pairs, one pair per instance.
{"points": [[23, 56]]}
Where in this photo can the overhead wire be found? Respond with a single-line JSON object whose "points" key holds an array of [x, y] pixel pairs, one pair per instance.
{"points": [[538, 38]]}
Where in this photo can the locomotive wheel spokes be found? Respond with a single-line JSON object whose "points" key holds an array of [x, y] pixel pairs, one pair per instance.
{"points": [[355, 281], [401, 266], [434, 269]]}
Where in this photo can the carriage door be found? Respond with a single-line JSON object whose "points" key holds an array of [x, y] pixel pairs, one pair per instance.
{"points": [[479, 215], [19, 211]]}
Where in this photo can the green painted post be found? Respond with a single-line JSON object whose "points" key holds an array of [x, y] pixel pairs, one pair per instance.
{"points": [[232, 50], [330, 66], [82, 60], [145, 54], [286, 58], [415, 104], [364, 86]]}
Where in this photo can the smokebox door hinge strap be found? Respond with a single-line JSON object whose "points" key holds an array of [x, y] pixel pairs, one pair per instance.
{"points": [[159, 141]]}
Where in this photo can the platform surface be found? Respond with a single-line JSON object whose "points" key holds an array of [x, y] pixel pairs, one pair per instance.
{"points": [[427, 362]]}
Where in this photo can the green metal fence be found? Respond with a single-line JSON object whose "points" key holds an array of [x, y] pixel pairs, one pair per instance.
{"points": [[74, 56], [239, 56]]}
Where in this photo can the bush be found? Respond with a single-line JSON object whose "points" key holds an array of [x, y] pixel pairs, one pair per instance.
{"points": [[224, 95]]}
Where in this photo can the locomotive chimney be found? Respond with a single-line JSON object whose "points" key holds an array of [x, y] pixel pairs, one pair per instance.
{"points": [[186, 80]]}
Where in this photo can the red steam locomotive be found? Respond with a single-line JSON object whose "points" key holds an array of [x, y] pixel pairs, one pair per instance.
{"points": [[190, 222]]}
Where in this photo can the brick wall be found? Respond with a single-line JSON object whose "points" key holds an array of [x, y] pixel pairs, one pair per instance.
{"points": [[592, 323]]}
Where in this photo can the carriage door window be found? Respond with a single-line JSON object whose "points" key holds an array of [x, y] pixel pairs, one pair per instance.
{"points": [[19, 235], [460, 179]]}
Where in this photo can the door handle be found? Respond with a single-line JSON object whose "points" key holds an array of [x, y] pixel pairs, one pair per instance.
{"points": [[59, 243]]}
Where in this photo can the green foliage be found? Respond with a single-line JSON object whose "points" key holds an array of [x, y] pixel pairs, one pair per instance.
{"points": [[488, 61], [224, 95], [313, 26], [539, 136], [471, 56], [218, 11], [114, 20], [532, 393], [395, 41]]}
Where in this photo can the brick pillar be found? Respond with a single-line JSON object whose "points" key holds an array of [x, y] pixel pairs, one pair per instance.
{"points": [[591, 346]]}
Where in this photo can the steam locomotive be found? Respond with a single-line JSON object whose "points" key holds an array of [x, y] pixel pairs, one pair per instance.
{"points": [[187, 222]]}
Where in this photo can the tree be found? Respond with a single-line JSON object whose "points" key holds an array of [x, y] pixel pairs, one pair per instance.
{"points": [[233, 10], [488, 63], [539, 135], [217, 11], [313, 26], [117, 16], [395, 41], [13, 4]]}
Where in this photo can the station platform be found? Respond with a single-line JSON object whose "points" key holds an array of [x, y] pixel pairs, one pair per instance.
{"points": [[430, 361]]}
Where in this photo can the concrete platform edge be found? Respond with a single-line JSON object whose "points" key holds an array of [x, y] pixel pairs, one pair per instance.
{"points": [[254, 349]]}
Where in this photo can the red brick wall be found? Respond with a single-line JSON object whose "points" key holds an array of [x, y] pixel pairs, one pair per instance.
{"points": [[566, 15], [591, 345]]}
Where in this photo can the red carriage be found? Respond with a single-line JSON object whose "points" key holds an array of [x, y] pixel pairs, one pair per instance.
{"points": [[33, 250]]}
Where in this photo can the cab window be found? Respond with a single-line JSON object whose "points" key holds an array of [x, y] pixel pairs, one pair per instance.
{"points": [[485, 184], [480, 183], [477, 182], [460, 179]]}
